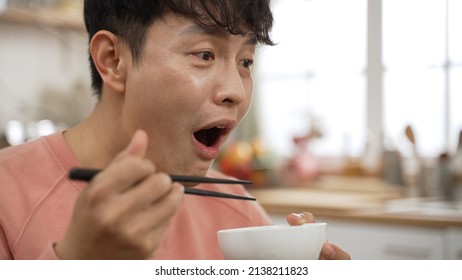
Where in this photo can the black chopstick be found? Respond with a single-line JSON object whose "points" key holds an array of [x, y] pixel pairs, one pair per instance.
{"points": [[85, 174], [216, 194]]}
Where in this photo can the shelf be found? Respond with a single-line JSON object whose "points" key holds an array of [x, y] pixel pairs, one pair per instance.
{"points": [[67, 19]]}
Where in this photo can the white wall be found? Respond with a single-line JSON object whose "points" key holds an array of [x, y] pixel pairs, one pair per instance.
{"points": [[43, 74]]}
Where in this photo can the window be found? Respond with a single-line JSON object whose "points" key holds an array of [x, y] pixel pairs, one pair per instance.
{"points": [[421, 55], [323, 66], [315, 74]]}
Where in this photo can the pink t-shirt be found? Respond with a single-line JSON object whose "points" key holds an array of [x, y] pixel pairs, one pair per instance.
{"points": [[37, 199]]}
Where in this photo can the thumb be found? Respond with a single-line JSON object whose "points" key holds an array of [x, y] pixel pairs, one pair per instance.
{"points": [[137, 146]]}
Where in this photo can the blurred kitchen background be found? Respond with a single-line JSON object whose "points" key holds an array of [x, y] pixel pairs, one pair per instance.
{"points": [[356, 114]]}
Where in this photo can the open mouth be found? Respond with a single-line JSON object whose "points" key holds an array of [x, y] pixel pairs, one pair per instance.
{"points": [[211, 136]]}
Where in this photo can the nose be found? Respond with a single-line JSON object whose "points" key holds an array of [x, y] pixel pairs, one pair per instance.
{"points": [[231, 89]]}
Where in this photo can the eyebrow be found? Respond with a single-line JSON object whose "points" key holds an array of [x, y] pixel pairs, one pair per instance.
{"points": [[212, 30]]}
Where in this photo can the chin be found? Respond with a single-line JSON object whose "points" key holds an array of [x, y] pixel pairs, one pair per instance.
{"points": [[201, 169], [187, 168]]}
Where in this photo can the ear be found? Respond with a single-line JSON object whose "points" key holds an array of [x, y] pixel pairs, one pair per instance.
{"points": [[109, 55]]}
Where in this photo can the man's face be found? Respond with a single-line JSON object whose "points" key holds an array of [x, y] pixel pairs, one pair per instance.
{"points": [[188, 91]]}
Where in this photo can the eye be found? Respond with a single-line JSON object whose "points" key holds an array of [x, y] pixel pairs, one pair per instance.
{"points": [[247, 63], [206, 55]]}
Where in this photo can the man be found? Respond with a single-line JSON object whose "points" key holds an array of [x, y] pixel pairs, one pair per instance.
{"points": [[173, 79]]}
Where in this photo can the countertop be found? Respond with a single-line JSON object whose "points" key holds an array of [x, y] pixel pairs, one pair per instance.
{"points": [[352, 198]]}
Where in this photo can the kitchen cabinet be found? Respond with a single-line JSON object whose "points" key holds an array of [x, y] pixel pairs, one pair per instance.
{"points": [[377, 241], [388, 242], [360, 223], [453, 246]]}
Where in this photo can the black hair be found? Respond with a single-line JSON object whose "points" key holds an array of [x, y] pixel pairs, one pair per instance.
{"points": [[129, 19]]}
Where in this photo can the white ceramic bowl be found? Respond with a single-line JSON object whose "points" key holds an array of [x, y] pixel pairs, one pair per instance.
{"points": [[277, 242]]}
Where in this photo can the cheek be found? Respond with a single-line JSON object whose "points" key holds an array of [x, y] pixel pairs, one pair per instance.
{"points": [[245, 106], [243, 110], [164, 95], [162, 83]]}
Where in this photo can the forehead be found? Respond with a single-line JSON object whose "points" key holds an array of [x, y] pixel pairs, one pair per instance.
{"points": [[185, 27], [214, 30]]}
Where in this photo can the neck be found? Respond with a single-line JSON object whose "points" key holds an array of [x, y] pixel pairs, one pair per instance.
{"points": [[99, 138]]}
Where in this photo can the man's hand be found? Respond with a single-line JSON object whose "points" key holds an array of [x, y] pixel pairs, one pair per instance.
{"points": [[329, 251], [124, 211]]}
